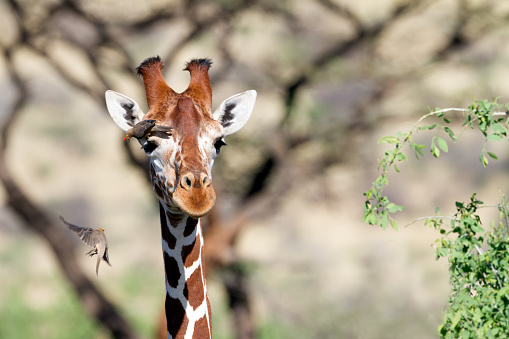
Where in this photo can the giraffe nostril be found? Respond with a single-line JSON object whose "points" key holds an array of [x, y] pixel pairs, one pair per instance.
{"points": [[205, 180], [187, 181], [191, 180]]}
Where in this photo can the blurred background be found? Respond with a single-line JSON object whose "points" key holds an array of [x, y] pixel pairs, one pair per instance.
{"points": [[287, 255]]}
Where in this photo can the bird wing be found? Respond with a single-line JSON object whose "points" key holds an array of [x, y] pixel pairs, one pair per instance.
{"points": [[85, 233], [161, 131]]}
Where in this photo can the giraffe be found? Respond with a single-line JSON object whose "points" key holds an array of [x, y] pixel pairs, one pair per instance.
{"points": [[180, 168]]}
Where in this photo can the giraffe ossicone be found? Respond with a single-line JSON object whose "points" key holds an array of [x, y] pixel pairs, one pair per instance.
{"points": [[180, 167]]}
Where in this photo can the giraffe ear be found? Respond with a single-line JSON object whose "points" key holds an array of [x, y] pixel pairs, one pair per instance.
{"points": [[234, 112], [125, 111]]}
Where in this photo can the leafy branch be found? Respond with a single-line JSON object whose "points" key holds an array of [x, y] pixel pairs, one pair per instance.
{"points": [[479, 300], [478, 259], [484, 116]]}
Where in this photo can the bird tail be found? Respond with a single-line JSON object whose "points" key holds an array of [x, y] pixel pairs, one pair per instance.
{"points": [[106, 258]]}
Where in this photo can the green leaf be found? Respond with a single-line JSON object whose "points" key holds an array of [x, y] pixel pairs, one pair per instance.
{"points": [[401, 157], [494, 137], [394, 224], [477, 228], [371, 219], [435, 151], [450, 132], [388, 140], [393, 208], [484, 161], [384, 220], [427, 127], [418, 149], [492, 155], [498, 128], [442, 144]]}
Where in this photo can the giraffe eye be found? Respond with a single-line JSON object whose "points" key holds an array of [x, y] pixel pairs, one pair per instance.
{"points": [[149, 147], [218, 144]]}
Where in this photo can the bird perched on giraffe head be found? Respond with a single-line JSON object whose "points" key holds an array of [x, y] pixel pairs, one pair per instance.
{"points": [[148, 128], [94, 238]]}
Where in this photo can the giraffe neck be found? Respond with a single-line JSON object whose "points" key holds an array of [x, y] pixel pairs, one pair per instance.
{"points": [[187, 304]]}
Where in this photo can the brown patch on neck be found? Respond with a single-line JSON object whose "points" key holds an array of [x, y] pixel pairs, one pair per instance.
{"points": [[195, 288], [202, 328], [191, 253]]}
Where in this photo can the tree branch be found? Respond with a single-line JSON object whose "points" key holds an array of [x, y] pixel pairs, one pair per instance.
{"points": [[38, 221]]}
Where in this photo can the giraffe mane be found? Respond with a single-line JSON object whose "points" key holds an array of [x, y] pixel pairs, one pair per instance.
{"points": [[149, 63], [205, 62]]}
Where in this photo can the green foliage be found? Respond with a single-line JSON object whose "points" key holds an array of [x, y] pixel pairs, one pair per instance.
{"points": [[479, 300], [478, 258], [483, 115]]}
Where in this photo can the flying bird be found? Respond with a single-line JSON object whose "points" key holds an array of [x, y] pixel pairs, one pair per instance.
{"points": [[94, 238], [148, 128]]}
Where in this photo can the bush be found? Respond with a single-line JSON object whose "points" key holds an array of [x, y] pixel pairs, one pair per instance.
{"points": [[479, 300]]}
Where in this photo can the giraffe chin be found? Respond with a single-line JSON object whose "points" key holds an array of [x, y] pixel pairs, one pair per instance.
{"points": [[197, 203]]}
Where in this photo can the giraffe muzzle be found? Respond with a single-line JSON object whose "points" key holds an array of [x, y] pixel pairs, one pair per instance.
{"points": [[194, 194], [191, 180]]}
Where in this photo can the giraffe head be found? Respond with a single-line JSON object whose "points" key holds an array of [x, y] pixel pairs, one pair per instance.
{"points": [[181, 164]]}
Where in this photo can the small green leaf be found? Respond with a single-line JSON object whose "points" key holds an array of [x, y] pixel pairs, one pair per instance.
{"points": [[368, 194], [393, 208], [427, 127], [418, 149], [402, 157], [450, 132], [492, 155], [477, 228], [498, 128], [384, 220], [494, 137], [371, 219], [388, 140], [394, 224], [435, 151], [442, 144]]}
